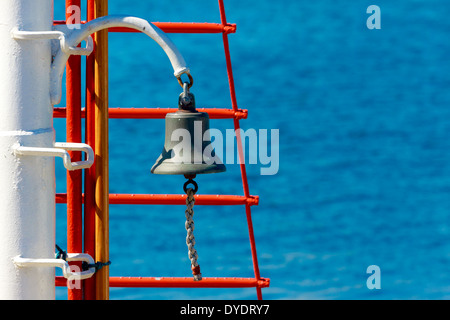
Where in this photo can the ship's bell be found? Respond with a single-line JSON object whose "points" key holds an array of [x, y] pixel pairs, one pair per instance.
{"points": [[187, 148]]}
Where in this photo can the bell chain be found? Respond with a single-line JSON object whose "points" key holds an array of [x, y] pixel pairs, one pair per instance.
{"points": [[190, 239]]}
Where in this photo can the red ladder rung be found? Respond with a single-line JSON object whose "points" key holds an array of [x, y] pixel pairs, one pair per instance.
{"points": [[179, 27], [179, 282], [173, 199], [158, 113]]}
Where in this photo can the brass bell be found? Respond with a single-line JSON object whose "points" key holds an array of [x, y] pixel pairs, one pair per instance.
{"points": [[187, 148]]}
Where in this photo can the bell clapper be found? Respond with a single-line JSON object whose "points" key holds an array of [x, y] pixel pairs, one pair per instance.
{"points": [[189, 224]]}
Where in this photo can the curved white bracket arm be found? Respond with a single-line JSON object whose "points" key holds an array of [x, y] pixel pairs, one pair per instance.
{"points": [[60, 150], [70, 40], [78, 35], [60, 263]]}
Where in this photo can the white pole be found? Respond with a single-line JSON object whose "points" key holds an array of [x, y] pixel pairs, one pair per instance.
{"points": [[27, 184]]}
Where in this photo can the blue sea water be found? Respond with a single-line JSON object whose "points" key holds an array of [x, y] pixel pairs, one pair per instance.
{"points": [[364, 172]]}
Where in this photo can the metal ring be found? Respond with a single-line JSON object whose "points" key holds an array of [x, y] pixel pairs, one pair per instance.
{"points": [[190, 181], [191, 81]]}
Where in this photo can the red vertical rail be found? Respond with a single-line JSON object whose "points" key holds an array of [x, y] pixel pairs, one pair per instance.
{"points": [[89, 204], [74, 178], [239, 146]]}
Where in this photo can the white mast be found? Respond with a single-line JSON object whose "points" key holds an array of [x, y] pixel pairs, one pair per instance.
{"points": [[27, 184]]}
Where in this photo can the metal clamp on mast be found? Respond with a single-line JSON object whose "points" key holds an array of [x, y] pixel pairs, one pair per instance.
{"points": [[60, 150], [60, 263]]}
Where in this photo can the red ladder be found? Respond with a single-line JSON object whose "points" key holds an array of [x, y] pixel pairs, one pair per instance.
{"points": [[75, 197]]}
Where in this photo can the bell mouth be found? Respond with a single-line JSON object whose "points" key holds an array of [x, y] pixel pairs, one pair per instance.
{"points": [[187, 169]]}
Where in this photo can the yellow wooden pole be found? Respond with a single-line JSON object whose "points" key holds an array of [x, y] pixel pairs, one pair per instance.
{"points": [[101, 155]]}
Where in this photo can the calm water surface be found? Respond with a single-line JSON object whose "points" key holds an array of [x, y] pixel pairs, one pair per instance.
{"points": [[364, 175]]}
